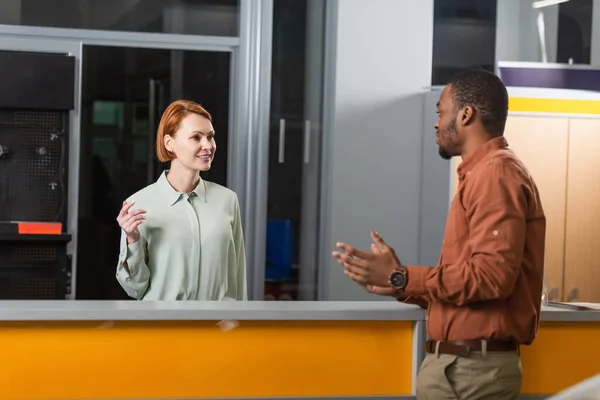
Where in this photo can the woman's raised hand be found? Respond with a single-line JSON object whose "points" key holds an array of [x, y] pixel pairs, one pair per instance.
{"points": [[130, 221]]}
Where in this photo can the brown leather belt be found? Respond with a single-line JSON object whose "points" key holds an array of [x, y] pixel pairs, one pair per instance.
{"points": [[463, 348]]}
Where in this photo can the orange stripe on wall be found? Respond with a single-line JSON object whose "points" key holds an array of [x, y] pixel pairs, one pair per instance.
{"points": [[68, 360], [563, 354]]}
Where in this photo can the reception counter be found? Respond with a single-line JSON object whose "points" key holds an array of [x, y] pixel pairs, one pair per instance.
{"points": [[143, 350]]}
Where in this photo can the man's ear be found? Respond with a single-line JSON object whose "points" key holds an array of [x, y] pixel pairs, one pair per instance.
{"points": [[467, 115]]}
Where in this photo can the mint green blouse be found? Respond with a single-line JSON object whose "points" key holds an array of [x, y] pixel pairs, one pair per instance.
{"points": [[191, 245]]}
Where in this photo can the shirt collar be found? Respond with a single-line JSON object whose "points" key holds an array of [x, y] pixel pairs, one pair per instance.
{"points": [[173, 195], [469, 162]]}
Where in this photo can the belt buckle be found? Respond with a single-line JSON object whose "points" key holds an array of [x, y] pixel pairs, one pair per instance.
{"points": [[468, 351], [463, 350]]}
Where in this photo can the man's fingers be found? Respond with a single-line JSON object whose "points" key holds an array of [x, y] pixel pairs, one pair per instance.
{"points": [[356, 278], [345, 258], [350, 264], [379, 241], [381, 290], [375, 289], [375, 249], [383, 246], [359, 271], [353, 262], [353, 251]]}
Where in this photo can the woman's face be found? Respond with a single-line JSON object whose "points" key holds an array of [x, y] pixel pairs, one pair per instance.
{"points": [[194, 142]]}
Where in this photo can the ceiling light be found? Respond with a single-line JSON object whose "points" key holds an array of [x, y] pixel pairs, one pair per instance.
{"points": [[546, 3]]}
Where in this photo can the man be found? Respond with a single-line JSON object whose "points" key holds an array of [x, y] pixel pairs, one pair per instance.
{"points": [[483, 299]]}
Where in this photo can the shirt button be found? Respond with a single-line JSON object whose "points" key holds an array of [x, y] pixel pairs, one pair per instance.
{"points": [[495, 233]]}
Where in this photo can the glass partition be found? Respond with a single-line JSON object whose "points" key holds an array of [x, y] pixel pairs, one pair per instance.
{"points": [[464, 37], [294, 151], [195, 17], [574, 32], [127, 71], [124, 92], [482, 33]]}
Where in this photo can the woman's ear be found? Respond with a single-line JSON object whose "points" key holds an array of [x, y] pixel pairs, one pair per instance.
{"points": [[168, 141]]}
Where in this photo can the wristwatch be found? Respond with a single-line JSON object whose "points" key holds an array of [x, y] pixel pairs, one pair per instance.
{"points": [[399, 279]]}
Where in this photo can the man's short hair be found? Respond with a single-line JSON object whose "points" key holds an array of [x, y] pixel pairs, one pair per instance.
{"points": [[485, 92]]}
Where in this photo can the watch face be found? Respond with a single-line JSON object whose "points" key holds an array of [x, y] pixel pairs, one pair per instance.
{"points": [[398, 280]]}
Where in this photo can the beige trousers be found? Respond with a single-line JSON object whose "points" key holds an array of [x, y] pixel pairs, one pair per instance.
{"points": [[493, 376]]}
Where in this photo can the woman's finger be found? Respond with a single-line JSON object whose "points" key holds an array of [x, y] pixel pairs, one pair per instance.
{"points": [[133, 222], [125, 208]]}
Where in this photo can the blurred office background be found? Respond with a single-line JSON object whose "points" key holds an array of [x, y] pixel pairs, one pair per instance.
{"points": [[324, 112]]}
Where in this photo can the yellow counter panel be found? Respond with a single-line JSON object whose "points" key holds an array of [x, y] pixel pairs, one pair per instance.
{"points": [[563, 354], [162, 359]]}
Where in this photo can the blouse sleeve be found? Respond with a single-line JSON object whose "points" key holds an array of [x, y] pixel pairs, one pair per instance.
{"points": [[133, 273], [240, 251]]}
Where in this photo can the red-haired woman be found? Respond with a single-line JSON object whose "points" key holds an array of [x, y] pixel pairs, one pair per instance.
{"points": [[182, 236]]}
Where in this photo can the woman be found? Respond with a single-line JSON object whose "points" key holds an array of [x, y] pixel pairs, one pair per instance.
{"points": [[182, 236]]}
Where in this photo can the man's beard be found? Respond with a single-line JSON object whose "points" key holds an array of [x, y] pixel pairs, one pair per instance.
{"points": [[443, 153], [450, 133]]}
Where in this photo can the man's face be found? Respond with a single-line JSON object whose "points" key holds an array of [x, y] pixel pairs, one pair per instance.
{"points": [[447, 136]]}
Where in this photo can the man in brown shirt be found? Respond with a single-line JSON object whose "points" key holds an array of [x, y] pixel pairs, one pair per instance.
{"points": [[483, 299]]}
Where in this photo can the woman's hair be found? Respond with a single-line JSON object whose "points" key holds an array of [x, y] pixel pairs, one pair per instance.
{"points": [[169, 123]]}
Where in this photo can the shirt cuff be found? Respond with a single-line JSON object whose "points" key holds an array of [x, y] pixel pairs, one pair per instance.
{"points": [[417, 276], [133, 254], [135, 250]]}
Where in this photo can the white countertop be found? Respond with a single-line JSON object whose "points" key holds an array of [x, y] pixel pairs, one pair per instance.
{"points": [[81, 310]]}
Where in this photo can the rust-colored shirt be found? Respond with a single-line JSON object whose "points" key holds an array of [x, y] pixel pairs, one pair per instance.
{"points": [[488, 284]]}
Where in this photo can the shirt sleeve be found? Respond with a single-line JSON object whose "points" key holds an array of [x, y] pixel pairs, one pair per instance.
{"points": [[135, 282], [496, 208], [417, 301], [240, 252]]}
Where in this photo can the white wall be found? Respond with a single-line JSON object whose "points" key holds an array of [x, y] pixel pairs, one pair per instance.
{"points": [[374, 149]]}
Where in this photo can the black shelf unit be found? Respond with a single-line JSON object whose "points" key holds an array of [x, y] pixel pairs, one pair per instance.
{"points": [[34, 267], [34, 146]]}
